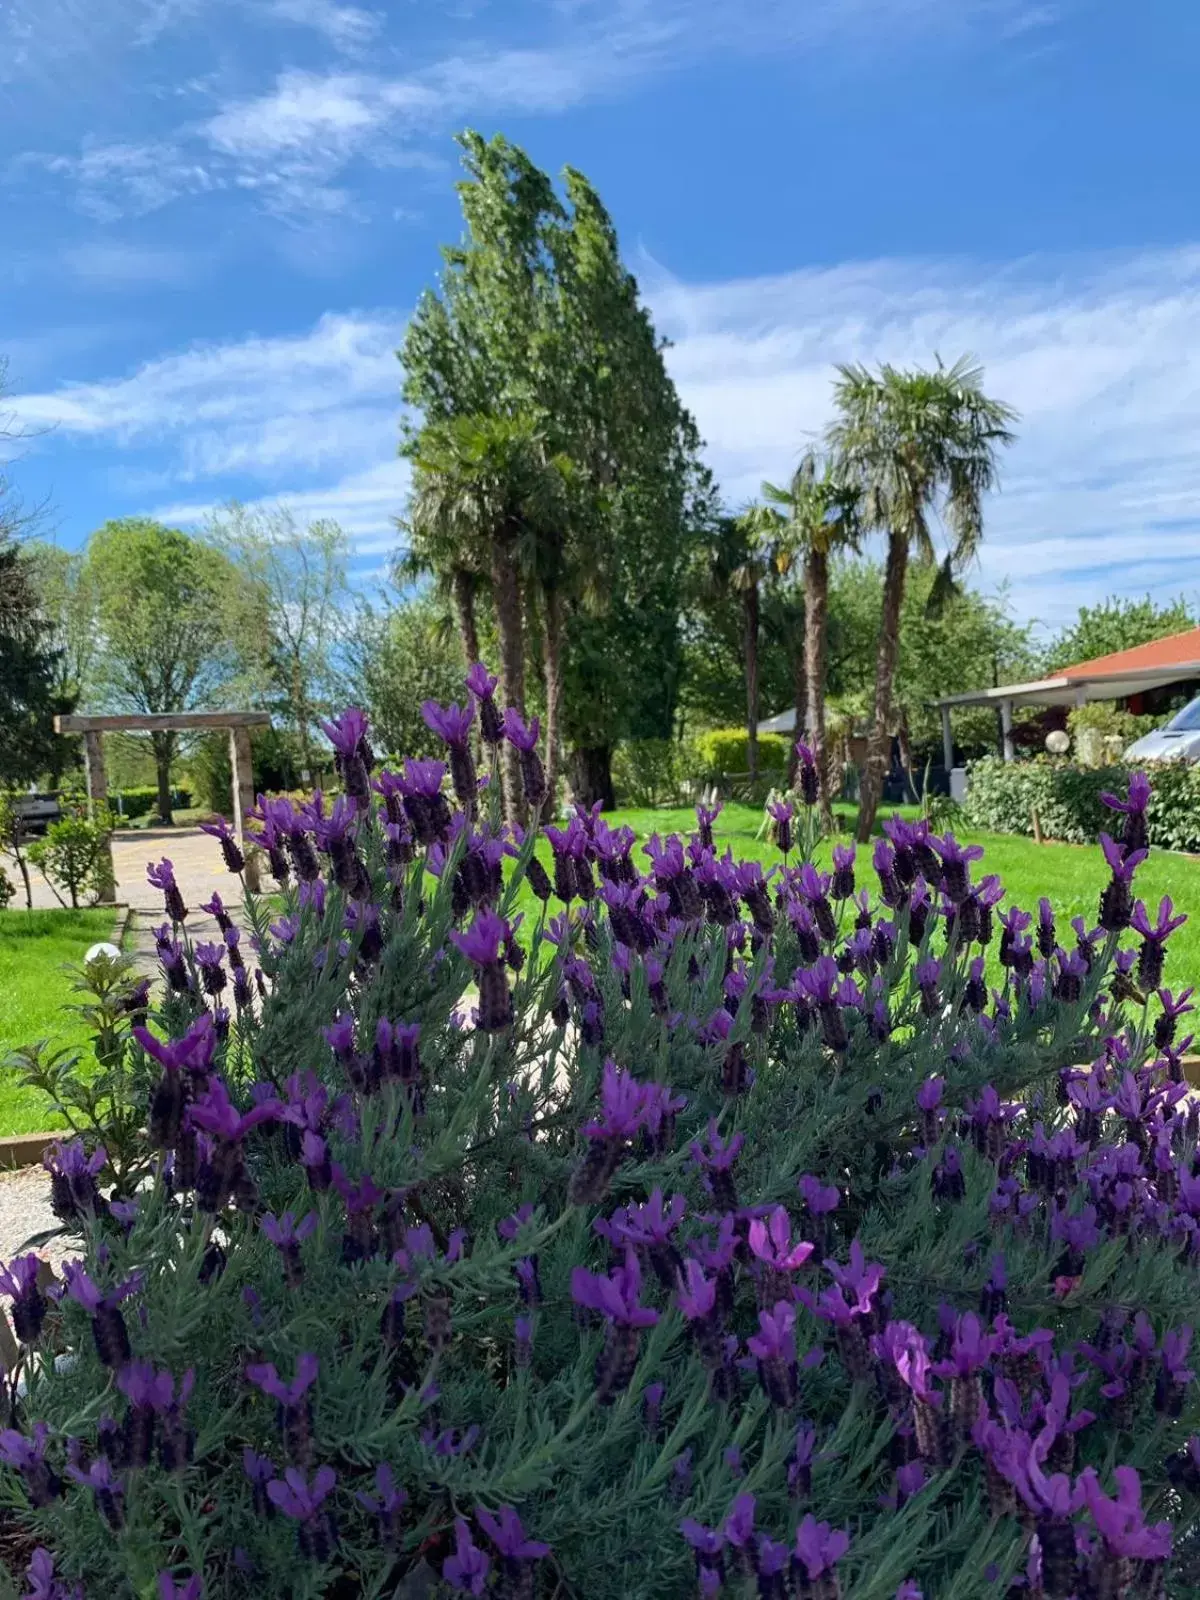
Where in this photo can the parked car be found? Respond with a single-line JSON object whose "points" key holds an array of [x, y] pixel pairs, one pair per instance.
{"points": [[1177, 740], [37, 811]]}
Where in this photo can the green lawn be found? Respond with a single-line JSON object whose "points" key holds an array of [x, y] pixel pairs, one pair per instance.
{"points": [[1070, 876], [35, 947]]}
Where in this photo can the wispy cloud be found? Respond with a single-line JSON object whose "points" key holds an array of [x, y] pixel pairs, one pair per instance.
{"points": [[109, 264], [347, 28], [288, 143], [276, 410], [1101, 357]]}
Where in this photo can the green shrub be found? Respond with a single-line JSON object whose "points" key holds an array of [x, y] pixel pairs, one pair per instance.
{"points": [[73, 854], [651, 772], [723, 750], [129, 804], [274, 755], [1002, 795]]}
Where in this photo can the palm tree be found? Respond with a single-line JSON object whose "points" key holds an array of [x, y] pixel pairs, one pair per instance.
{"points": [[487, 499], [918, 444], [820, 514], [754, 531]]}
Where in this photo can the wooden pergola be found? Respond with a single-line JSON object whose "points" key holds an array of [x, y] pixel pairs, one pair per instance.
{"points": [[238, 723]]}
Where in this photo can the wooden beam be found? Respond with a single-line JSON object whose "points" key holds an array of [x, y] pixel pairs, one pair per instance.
{"points": [[162, 722]]}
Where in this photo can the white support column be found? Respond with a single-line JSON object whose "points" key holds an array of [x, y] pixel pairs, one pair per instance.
{"points": [[241, 761], [97, 788], [947, 739], [1006, 710]]}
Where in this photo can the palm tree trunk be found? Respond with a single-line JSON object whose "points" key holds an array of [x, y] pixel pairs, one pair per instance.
{"points": [[552, 664], [880, 742], [750, 618], [463, 585], [506, 591], [816, 638]]}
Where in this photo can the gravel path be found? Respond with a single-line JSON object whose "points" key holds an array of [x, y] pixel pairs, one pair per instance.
{"points": [[25, 1210]]}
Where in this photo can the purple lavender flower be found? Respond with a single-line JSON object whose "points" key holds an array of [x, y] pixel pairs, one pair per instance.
{"points": [[842, 883], [780, 812], [482, 685], [231, 852], [1154, 939], [483, 944], [162, 877], [616, 1298], [107, 1488], [466, 1571], [264, 1376], [19, 1280], [774, 1347], [170, 1588], [819, 1547], [386, 1505], [806, 773], [1134, 835], [303, 1502], [517, 1552], [524, 737]]}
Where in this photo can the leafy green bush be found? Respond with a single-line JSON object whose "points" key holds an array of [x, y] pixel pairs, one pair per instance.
{"points": [[74, 855], [129, 804], [274, 755], [672, 1256], [651, 772], [1001, 797], [724, 750]]}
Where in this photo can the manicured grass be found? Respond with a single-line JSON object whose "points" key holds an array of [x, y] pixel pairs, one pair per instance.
{"points": [[35, 948], [1070, 876]]}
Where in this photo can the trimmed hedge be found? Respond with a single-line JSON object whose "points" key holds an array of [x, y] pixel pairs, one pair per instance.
{"points": [[1002, 795], [723, 750], [140, 801]]}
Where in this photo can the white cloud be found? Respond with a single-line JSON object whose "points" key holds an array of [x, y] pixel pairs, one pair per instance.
{"points": [[347, 28], [1101, 357], [288, 145], [273, 409], [362, 503]]}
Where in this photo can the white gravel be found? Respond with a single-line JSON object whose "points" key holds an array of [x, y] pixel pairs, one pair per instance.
{"points": [[24, 1211]]}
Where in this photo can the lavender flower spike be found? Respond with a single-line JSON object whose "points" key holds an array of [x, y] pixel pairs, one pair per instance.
{"points": [[466, 1571]]}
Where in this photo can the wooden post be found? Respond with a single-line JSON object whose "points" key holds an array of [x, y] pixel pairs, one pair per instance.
{"points": [[947, 740], [97, 788], [243, 797]]}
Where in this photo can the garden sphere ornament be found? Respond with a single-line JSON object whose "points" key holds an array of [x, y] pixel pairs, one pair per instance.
{"points": [[104, 950], [1058, 742]]}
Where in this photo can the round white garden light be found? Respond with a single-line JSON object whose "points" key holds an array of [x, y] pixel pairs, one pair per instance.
{"points": [[1058, 742], [110, 952]]}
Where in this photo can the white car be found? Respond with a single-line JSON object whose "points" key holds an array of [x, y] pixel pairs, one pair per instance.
{"points": [[1177, 740]]}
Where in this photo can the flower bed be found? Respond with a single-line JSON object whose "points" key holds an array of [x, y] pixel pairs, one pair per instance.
{"points": [[749, 1244]]}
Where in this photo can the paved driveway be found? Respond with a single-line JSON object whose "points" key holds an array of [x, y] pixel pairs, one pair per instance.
{"points": [[196, 859]]}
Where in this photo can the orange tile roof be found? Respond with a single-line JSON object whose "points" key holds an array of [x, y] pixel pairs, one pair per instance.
{"points": [[1177, 649]]}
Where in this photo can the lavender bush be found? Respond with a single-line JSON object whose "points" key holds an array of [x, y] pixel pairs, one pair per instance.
{"points": [[711, 1231]]}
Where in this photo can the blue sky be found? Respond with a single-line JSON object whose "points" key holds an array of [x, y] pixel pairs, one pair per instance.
{"points": [[218, 214]]}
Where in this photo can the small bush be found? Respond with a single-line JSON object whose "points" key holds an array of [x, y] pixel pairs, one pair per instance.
{"points": [[724, 751], [736, 1239], [652, 772], [73, 854]]}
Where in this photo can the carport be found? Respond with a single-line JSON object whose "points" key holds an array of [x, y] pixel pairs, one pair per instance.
{"points": [[1125, 675]]}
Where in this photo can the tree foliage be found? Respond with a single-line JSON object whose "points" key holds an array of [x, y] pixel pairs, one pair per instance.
{"points": [[294, 573], [28, 671], [1117, 623], [171, 618], [537, 321]]}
